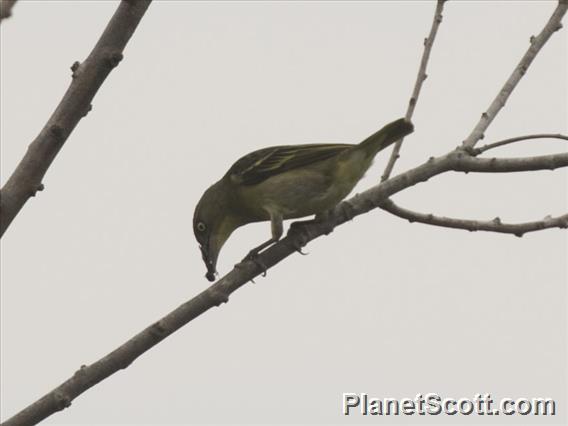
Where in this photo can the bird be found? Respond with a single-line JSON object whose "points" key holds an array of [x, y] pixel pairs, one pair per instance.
{"points": [[284, 182]]}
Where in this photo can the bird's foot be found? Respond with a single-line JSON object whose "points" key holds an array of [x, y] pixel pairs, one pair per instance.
{"points": [[300, 229], [252, 256], [298, 245], [300, 235]]}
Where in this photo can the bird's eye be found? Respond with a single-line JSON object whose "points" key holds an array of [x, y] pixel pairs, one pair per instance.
{"points": [[201, 226]]}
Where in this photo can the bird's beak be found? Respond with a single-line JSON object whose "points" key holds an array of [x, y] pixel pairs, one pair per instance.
{"points": [[209, 255]]}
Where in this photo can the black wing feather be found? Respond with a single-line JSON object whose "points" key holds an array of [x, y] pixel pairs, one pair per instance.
{"points": [[259, 165]]}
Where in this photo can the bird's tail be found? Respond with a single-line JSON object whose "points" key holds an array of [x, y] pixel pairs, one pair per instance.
{"points": [[386, 136]]}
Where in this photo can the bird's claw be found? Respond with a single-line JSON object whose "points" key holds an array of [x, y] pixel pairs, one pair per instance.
{"points": [[297, 245], [253, 257], [299, 228]]}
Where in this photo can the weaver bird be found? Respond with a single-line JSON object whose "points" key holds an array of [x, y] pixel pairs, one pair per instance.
{"points": [[284, 182]]}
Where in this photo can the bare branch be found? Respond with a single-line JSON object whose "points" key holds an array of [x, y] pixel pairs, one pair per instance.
{"points": [[495, 225], [428, 43], [88, 376], [459, 159], [482, 149], [6, 8], [76, 103], [467, 163], [219, 293], [536, 43]]}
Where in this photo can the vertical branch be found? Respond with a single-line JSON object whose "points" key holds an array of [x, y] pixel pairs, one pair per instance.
{"points": [[76, 103], [428, 43]]}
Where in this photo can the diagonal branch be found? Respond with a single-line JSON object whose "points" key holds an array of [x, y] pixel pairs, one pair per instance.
{"points": [[428, 43], [6, 8], [218, 293], [76, 103], [495, 225], [536, 44], [482, 149]]}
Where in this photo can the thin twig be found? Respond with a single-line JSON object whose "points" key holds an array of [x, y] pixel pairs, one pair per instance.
{"points": [[536, 44], [482, 149], [494, 225], [76, 103], [428, 43], [467, 163], [6, 8]]}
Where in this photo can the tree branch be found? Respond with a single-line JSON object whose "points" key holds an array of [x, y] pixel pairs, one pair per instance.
{"points": [[218, 293], [6, 8], [536, 44], [482, 149], [76, 103], [428, 43], [494, 225], [467, 163]]}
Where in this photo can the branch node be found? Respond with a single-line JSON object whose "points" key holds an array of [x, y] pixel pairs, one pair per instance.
{"points": [[558, 27], [497, 221], [532, 39], [62, 400], [469, 150], [219, 297], [81, 371], [484, 115], [40, 187], [523, 70], [519, 234], [114, 59], [87, 110], [424, 76], [74, 68], [412, 101]]}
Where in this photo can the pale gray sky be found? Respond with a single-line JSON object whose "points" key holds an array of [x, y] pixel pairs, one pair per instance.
{"points": [[379, 306]]}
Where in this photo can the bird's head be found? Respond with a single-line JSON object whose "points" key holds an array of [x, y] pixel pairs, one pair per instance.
{"points": [[213, 223]]}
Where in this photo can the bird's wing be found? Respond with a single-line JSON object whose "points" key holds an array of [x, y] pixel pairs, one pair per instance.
{"points": [[259, 165]]}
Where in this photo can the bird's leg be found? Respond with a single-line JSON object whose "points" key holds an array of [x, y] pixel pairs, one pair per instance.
{"points": [[277, 228], [255, 251]]}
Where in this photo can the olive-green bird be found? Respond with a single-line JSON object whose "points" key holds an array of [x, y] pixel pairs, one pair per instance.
{"points": [[284, 182]]}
